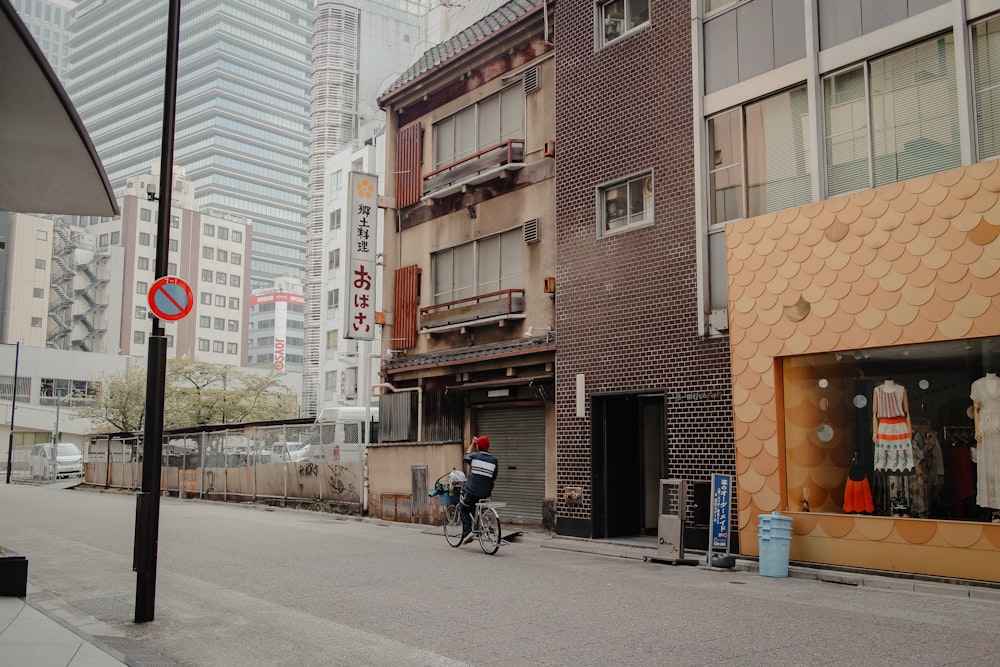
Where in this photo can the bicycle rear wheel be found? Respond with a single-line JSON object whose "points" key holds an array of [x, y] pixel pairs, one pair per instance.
{"points": [[452, 525], [489, 530]]}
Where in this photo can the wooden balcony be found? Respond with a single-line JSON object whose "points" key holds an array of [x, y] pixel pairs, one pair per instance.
{"points": [[480, 310], [489, 164]]}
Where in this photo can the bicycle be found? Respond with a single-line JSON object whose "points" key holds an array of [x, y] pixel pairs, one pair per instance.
{"points": [[485, 519]]}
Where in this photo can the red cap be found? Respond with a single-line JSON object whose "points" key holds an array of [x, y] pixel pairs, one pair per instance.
{"points": [[483, 442]]}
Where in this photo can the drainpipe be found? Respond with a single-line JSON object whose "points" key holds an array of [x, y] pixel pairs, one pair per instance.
{"points": [[420, 404]]}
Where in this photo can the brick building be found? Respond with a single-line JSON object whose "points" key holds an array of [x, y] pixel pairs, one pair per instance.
{"points": [[643, 381]]}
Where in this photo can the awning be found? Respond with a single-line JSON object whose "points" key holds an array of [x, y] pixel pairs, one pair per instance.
{"points": [[47, 162]]}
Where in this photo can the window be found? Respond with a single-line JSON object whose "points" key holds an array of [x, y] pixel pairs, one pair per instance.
{"points": [[220, 323], [221, 255], [333, 299], [936, 381], [892, 118], [144, 238], [143, 263], [489, 122], [172, 268], [204, 321], [115, 238], [209, 230], [102, 240], [627, 203], [335, 220], [218, 346], [234, 280], [237, 236], [232, 348], [332, 338], [37, 293], [619, 17], [487, 265], [764, 145], [208, 253], [333, 260], [141, 287], [234, 303], [206, 275], [220, 300], [175, 222], [140, 312], [221, 277], [203, 345], [986, 77], [329, 385], [206, 298], [36, 322], [42, 235], [170, 340], [223, 233], [235, 258], [173, 245], [234, 325], [139, 337], [39, 263], [146, 215]]}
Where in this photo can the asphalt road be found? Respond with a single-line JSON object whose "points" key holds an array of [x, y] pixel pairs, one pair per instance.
{"points": [[245, 585]]}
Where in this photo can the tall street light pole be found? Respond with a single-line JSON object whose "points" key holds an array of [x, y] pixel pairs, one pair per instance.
{"points": [[148, 510], [13, 406]]}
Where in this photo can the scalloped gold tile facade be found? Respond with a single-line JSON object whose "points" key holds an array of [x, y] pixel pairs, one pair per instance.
{"points": [[911, 262]]}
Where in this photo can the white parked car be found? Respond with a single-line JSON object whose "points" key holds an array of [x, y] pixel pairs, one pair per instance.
{"points": [[69, 460], [294, 452]]}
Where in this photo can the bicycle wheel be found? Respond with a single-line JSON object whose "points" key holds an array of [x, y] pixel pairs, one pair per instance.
{"points": [[489, 530], [452, 525]]}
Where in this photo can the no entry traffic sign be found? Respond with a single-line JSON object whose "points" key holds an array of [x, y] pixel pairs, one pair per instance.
{"points": [[170, 298]]}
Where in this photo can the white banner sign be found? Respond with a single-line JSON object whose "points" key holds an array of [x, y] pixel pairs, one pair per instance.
{"points": [[362, 216]]}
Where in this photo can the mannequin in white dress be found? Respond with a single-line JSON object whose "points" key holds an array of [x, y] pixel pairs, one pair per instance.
{"points": [[985, 396]]}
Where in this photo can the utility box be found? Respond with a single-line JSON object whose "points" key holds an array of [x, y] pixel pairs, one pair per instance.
{"points": [[670, 525]]}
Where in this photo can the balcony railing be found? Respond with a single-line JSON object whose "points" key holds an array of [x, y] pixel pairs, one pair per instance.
{"points": [[474, 311], [488, 164]]}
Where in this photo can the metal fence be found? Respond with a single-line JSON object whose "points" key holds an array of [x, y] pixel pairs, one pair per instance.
{"points": [[321, 463]]}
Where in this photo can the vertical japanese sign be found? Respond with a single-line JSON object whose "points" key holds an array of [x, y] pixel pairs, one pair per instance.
{"points": [[359, 310], [722, 486]]}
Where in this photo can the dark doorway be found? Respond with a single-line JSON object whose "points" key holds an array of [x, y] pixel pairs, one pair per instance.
{"points": [[627, 463]]}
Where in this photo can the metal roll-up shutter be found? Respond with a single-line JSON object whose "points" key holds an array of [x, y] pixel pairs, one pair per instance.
{"points": [[517, 439]]}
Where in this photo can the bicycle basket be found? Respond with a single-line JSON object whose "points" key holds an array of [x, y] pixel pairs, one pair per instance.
{"points": [[447, 494]]}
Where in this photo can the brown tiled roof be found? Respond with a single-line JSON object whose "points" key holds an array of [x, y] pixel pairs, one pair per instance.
{"points": [[475, 33], [507, 348]]}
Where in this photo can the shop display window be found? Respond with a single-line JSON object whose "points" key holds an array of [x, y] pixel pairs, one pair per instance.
{"points": [[894, 431]]}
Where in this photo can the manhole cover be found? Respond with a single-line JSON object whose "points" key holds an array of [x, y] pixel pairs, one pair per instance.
{"points": [[103, 607]]}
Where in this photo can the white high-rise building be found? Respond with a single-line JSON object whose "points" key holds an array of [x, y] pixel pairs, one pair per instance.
{"points": [[359, 46], [48, 22]]}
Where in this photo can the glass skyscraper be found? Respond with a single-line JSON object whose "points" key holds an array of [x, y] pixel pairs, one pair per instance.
{"points": [[242, 119]]}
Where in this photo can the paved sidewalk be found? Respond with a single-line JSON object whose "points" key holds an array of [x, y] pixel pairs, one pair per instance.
{"points": [[48, 634]]}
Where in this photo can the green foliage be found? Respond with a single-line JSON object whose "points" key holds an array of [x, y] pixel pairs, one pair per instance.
{"points": [[196, 393]]}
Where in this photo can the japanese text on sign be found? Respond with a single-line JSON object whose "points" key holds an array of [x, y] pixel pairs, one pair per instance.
{"points": [[721, 501], [359, 312]]}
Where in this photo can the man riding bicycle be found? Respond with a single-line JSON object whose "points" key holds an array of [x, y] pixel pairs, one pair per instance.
{"points": [[483, 469]]}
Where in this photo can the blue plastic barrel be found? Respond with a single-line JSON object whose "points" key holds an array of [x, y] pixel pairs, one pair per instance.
{"points": [[774, 533]]}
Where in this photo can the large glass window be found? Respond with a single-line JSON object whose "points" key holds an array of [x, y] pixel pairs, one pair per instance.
{"points": [[901, 421], [766, 146], [892, 118], [986, 77], [483, 266], [490, 121]]}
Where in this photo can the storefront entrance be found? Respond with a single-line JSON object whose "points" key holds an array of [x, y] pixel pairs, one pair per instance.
{"points": [[517, 439], [628, 461]]}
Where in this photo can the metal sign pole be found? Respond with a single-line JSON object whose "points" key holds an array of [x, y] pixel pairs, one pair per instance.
{"points": [[148, 507]]}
